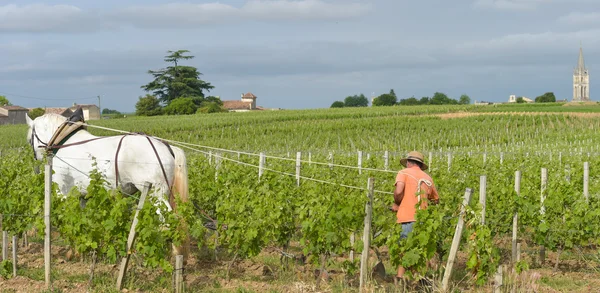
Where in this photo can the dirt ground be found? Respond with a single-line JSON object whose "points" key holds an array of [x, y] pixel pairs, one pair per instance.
{"points": [[577, 272]]}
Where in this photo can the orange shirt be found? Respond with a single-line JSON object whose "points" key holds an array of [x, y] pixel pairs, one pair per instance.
{"points": [[410, 177]]}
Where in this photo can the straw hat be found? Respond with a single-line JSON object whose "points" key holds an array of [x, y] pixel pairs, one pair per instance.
{"points": [[414, 156]]}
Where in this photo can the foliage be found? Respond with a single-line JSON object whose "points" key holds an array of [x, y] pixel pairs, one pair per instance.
{"points": [[520, 100], [148, 106], [356, 101], [548, 97], [109, 111], [442, 99], [37, 112], [337, 104], [181, 106], [385, 99], [6, 269], [177, 81], [464, 100], [4, 101], [211, 107], [95, 221], [411, 101]]}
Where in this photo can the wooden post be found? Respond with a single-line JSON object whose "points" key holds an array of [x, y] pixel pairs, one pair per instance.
{"points": [[484, 158], [498, 280], [261, 165], [543, 209], [482, 188], [309, 158], [386, 160], [501, 158], [330, 158], [364, 260], [456, 240], [352, 236], [298, 158], [14, 254], [4, 245], [360, 162], [586, 180], [47, 206], [131, 237], [179, 273], [210, 157], [449, 161], [516, 217], [430, 160]]}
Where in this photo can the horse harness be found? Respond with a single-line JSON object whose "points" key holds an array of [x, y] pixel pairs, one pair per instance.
{"points": [[69, 128]]}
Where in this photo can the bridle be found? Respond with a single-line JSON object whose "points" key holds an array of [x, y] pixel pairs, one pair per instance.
{"points": [[34, 135]]}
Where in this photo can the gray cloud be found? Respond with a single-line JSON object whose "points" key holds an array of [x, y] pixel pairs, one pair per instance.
{"points": [[38, 18], [44, 18], [186, 14], [509, 4], [580, 18]]}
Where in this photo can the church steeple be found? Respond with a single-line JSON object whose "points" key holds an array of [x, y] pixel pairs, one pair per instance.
{"points": [[581, 63], [581, 80]]}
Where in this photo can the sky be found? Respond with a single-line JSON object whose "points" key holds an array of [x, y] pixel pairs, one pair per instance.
{"points": [[296, 54]]}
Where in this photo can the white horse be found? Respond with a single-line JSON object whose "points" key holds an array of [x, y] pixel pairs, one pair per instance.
{"points": [[140, 159]]}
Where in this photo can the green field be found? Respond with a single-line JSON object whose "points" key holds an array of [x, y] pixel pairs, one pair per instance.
{"points": [[260, 217]]}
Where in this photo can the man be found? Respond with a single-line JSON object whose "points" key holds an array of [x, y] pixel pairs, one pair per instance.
{"points": [[411, 185]]}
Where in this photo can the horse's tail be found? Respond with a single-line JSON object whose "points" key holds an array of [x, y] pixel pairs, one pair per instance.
{"points": [[180, 188], [180, 180]]}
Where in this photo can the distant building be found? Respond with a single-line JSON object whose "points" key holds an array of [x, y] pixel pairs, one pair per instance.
{"points": [[90, 111], [513, 99], [581, 81], [247, 103], [13, 115]]}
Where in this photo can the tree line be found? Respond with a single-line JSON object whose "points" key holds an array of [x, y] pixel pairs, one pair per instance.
{"points": [[390, 99]]}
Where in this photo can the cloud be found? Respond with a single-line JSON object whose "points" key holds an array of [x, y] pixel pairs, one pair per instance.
{"points": [[188, 14], [580, 18], [542, 42], [46, 18], [517, 5]]}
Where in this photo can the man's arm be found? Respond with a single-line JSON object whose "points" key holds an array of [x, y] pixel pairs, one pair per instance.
{"points": [[434, 197], [399, 192]]}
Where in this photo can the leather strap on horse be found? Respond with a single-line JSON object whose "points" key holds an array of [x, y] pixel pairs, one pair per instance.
{"points": [[171, 199]]}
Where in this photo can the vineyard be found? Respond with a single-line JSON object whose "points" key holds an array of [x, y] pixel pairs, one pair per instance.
{"points": [[277, 203]]}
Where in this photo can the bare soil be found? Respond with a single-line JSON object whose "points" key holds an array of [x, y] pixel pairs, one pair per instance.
{"points": [[577, 272]]}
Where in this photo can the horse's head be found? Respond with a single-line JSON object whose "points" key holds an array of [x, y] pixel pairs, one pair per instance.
{"points": [[41, 130]]}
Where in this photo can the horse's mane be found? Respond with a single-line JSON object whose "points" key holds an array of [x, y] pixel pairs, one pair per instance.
{"points": [[52, 119]]}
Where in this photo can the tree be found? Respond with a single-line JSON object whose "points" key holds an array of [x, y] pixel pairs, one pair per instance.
{"points": [[148, 106], [385, 100], [181, 106], [109, 111], [4, 101], [35, 113], [424, 101], [441, 99], [393, 93], [520, 100], [337, 104], [356, 101], [464, 100], [177, 81], [410, 101], [546, 98], [211, 107]]}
